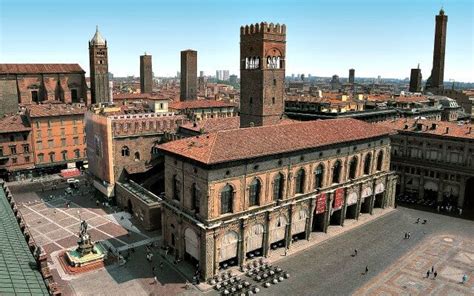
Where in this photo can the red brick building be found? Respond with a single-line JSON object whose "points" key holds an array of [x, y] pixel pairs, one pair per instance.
{"points": [[16, 152]]}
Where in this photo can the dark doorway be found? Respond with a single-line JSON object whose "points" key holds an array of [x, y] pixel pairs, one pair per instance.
{"points": [[336, 218], [468, 207], [318, 222], [34, 96], [74, 97], [351, 211], [255, 253], [365, 206], [130, 207], [378, 200]]}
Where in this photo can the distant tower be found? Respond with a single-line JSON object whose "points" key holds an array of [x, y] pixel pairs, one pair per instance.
{"points": [[99, 68], [188, 82], [351, 75], [262, 74], [415, 80], [146, 76], [435, 81]]}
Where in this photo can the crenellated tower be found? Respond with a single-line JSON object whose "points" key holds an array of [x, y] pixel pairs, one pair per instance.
{"points": [[99, 68], [262, 72]]}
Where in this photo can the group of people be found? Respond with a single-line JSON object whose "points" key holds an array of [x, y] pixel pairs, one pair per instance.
{"points": [[407, 235], [433, 272]]}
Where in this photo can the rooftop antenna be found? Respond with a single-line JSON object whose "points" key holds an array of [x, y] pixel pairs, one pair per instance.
{"points": [[418, 66]]}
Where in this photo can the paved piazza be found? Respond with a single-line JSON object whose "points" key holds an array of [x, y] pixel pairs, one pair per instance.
{"points": [[397, 266]]}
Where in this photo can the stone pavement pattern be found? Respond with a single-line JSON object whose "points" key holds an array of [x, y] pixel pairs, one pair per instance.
{"points": [[451, 256]]}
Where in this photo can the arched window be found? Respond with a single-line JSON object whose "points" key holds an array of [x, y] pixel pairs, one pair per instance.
{"points": [[125, 151], [336, 172], [137, 156], [379, 161], [319, 176], [278, 183], [254, 192], [176, 187], [227, 196], [299, 184], [195, 198], [353, 168], [367, 163]]}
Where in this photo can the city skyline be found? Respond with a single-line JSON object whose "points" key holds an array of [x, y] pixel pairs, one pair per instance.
{"points": [[394, 38]]}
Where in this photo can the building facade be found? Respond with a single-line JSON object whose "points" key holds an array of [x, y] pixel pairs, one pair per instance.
{"points": [[225, 203], [204, 109], [435, 160], [16, 151], [99, 68], [24, 84], [146, 74], [188, 84], [262, 74], [58, 137]]}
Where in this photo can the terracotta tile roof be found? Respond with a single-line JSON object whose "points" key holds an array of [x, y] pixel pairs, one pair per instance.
{"points": [[410, 99], [244, 143], [214, 124], [46, 110], [455, 130], [198, 104], [14, 123], [152, 96], [40, 68]]}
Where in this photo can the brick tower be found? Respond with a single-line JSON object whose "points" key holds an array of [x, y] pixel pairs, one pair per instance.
{"points": [[415, 80], [146, 73], [435, 82], [262, 72], [99, 68], [188, 84]]}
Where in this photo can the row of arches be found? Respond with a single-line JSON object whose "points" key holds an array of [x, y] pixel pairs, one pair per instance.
{"points": [[255, 188], [273, 62]]}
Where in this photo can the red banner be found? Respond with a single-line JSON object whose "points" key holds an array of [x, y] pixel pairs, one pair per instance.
{"points": [[320, 203], [338, 199]]}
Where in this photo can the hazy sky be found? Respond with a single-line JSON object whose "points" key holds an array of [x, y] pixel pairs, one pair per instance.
{"points": [[324, 37]]}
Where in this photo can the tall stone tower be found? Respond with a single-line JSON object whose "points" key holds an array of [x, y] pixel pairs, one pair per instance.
{"points": [[146, 74], [435, 82], [188, 84], [415, 80], [262, 72], [351, 75], [99, 68]]}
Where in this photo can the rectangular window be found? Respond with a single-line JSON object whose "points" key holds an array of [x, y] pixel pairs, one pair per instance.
{"points": [[63, 131], [51, 157], [50, 144], [41, 157], [50, 132], [38, 124], [34, 96], [13, 150], [27, 158], [62, 121], [64, 153], [76, 141], [49, 122], [1, 151], [14, 160], [63, 142], [39, 144], [74, 130], [38, 134], [77, 153], [26, 148]]}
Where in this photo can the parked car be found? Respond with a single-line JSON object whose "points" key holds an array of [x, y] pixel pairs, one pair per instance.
{"points": [[72, 181]]}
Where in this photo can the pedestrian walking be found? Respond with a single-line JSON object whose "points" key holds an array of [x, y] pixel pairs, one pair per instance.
{"points": [[428, 274], [464, 279], [355, 252], [406, 235], [432, 268], [418, 220], [366, 269], [435, 274], [156, 279], [153, 270], [409, 235]]}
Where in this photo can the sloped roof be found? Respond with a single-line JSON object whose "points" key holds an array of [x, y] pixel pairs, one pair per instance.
{"points": [[40, 68]]}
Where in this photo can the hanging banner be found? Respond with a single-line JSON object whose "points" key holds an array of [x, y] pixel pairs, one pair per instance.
{"points": [[338, 198], [320, 203]]}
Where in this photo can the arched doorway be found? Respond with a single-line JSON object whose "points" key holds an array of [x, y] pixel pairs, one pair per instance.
{"points": [[468, 205], [365, 200], [278, 233], [298, 225], [255, 241], [379, 190], [228, 251], [191, 242], [430, 191], [351, 209]]}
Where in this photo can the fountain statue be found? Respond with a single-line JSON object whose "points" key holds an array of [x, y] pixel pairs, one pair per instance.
{"points": [[87, 252]]}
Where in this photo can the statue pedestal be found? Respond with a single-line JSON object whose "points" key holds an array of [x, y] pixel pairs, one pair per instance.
{"points": [[86, 253]]}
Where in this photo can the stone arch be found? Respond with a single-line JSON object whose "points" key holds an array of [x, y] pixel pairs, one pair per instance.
{"points": [[298, 224], [278, 229], [228, 246], [255, 237], [191, 242]]}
